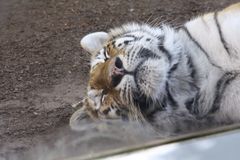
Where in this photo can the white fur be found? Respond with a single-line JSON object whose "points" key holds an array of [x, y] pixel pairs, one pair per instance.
{"points": [[205, 32], [154, 72]]}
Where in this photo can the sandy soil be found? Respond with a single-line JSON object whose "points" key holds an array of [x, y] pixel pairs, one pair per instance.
{"points": [[42, 67]]}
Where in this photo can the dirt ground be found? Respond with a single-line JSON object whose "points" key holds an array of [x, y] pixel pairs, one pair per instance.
{"points": [[42, 67]]}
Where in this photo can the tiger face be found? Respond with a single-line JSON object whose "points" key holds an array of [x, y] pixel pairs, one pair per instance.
{"points": [[129, 68]]}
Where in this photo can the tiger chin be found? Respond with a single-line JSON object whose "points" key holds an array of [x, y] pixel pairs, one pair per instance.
{"points": [[180, 79]]}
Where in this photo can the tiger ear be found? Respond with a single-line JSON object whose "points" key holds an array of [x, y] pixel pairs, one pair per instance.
{"points": [[94, 41]]}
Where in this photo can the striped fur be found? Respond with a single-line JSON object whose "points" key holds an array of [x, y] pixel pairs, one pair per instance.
{"points": [[167, 76]]}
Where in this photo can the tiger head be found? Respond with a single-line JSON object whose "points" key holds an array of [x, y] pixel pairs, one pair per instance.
{"points": [[129, 69]]}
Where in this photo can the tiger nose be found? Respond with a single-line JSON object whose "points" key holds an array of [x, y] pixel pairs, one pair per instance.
{"points": [[118, 63], [117, 71]]}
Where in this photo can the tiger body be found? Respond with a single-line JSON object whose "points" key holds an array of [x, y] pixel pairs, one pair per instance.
{"points": [[166, 76]]}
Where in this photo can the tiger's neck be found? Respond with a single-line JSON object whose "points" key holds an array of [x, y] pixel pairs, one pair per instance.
{"points": [[193, 78]]}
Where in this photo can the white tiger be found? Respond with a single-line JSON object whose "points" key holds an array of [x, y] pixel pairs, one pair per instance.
{"points": [[166, 76]]}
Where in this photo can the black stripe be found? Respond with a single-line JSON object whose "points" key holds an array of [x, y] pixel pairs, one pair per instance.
{"points": [[126, 42], [113, 44], [170, 98], [163, 49], [129, 35], [191, 67], [225, 45], [132, 36], [105, 55], [104, 52], [222, 84], [173, 68], [129, 50], [192, 104], [146, 53], [175, 65], [199, 46], [164, 102]]}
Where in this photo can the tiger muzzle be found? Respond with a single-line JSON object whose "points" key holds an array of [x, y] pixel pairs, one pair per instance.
{"points": [[117, 72]]}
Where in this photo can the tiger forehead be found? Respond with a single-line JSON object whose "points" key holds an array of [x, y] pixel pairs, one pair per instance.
{"points": [[118, 45]]}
